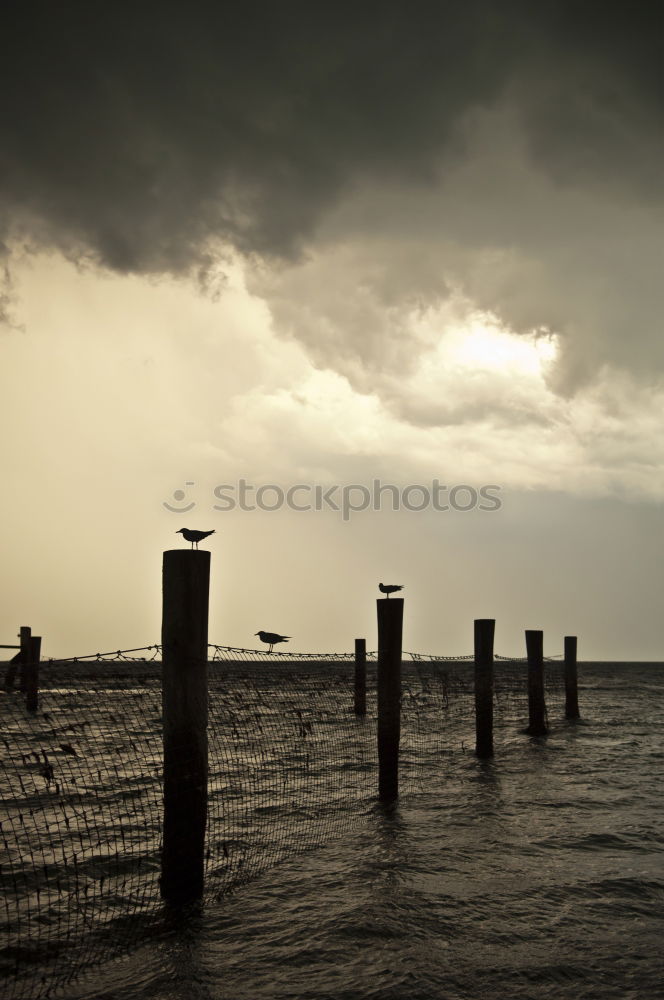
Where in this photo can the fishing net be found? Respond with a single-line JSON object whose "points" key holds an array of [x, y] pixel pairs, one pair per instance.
{"points": [[290, 766]]}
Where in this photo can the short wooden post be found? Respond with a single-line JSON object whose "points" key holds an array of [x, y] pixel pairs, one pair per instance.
{"points": [[571, 692], [484, 634], [25, 634], [360, 702], [32, 674], [390, 631], [536, 706], [186, 580]]}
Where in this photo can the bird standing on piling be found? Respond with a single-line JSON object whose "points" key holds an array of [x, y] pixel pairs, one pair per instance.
{"points": [[194, 536], [271, 638], [389, 588]]}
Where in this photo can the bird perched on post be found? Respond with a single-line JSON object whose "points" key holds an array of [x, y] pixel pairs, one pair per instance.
{"points": [[194, 536], [389, 588], [271, 638]]}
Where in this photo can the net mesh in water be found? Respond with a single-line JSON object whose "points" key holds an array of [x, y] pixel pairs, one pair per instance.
{"points": [[290, 767]]}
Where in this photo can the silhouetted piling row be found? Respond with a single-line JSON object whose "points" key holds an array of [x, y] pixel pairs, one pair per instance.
{"points": [[360, 687], [484, 635], [26, 635], [32, 674], [571, 692], [186, 582], [390, 630], [536, 706], [285, 747], [26, 664]]}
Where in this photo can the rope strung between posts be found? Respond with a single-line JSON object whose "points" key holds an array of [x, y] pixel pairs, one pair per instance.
{"points": [[119, 654], [225, 652], [221, 652], [260, 655]]}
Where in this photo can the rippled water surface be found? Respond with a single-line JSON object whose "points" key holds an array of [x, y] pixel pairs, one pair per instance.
{"points": [[540, 874]]}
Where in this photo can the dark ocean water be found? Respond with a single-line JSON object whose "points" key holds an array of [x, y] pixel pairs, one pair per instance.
{"points": [[538, 875]]}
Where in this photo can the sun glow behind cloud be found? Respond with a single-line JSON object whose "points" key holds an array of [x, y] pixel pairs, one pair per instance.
{"points": [[485, 345]]}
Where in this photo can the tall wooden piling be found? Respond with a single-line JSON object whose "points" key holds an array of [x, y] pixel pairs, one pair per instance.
{"points": [[536, 705], [484, 635], [186, 582], [571, 692], [32, 674], [390, 632], [360, 701]]}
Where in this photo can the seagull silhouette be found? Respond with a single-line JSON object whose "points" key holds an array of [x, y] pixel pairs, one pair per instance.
{"points": [[271, 638], [389, 588], [194, 536]]}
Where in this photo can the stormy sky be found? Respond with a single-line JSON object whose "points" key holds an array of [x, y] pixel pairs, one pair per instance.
{"points": [[327, 244]]}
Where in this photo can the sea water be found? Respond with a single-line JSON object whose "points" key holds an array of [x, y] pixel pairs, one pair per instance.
{"points": [[537, 875]]}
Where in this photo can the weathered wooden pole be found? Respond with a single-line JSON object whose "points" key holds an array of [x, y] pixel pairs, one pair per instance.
{"points": [[184, 636], [25, 634], [484, 633], [360, 701], [390, 631], [571, 692], [536, 706], [32, 674]]}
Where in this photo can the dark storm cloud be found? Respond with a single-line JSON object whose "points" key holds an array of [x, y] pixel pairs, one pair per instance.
{"points": [[136, 133], [145, 137]]}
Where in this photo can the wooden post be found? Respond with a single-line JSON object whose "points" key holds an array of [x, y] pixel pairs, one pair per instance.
{"points": [[390, 630], [536, 706], [571, 692], [484, 633], [25, 634], [186, 580], [360, 703], [32, 674]]}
